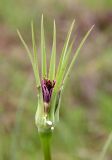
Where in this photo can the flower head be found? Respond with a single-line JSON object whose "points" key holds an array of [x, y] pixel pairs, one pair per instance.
{"points": [[49, 92], [47, 88]]}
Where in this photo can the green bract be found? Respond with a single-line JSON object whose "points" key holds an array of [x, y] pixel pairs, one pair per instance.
{"points": [[47, 119]]}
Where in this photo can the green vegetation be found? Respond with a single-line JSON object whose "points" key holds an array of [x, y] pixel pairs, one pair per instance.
{"points": [[86, 111]]}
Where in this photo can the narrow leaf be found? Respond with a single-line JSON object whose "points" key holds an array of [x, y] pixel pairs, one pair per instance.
{"points": [[53, 56], [77, 52], [43, 50]]}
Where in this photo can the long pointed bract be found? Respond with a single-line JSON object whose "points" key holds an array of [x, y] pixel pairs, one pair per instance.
{"points": [[33, 43], [26, 47], [59, 82], [43, 50], [53, 101], [35, 64], [64, 67], [65, 49], [36, 74], [53, 56], [76, 53]]}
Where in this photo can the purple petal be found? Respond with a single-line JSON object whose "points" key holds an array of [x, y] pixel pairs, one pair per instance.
{"points": [[47, 88]]}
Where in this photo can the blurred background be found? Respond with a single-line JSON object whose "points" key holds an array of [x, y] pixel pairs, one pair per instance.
{"points": [[86, 108]]}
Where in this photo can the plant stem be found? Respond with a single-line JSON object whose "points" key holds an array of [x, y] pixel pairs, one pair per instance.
{"points": [[45, 138]]}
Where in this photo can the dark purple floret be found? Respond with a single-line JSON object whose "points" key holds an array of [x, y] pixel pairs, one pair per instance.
{"points": [[47, 88]]}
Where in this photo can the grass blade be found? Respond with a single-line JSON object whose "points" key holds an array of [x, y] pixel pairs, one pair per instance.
{"points": [[43, 51], [77, 52], [14, 154], [53, 56], [105, 148]]}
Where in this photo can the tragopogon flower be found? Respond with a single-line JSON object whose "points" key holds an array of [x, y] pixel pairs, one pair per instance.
{"points": [[50, 83], [47, 88]]}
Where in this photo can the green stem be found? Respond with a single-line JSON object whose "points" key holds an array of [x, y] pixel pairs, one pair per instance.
{"points": [[45, 138]]}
